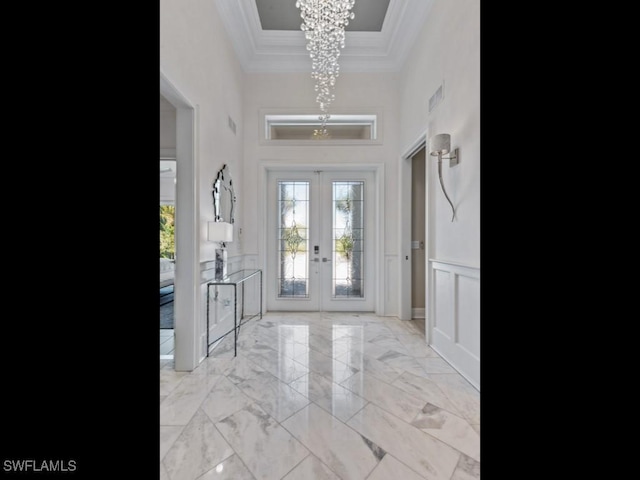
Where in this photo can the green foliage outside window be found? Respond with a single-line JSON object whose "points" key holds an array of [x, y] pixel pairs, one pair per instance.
{"points": [[344, 244], [167, 231]]}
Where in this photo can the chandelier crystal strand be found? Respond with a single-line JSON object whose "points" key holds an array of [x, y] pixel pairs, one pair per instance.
{"points": [[324, 24]]}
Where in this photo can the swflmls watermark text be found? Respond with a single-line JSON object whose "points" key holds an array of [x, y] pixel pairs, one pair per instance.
{"points": [[31, 465]]}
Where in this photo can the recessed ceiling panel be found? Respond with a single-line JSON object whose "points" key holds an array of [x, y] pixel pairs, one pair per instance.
{"points": [[266, 34], [283, 15]]}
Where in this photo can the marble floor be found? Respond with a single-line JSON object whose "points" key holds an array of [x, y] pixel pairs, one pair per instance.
{"points": [[320, 396]]}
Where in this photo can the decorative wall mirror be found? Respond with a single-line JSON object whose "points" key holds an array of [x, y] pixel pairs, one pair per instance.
{"points": [[224, 198]]}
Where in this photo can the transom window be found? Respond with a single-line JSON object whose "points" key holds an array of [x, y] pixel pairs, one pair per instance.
{"points": [[307, 127]]}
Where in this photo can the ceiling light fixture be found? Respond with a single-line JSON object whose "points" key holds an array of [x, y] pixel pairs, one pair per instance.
{"points": [[323, 27]]}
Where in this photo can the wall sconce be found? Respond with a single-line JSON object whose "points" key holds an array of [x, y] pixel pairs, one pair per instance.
{"points": [[440, 145], [220, 232]]}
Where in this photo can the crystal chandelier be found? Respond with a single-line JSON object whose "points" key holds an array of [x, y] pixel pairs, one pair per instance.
{"points": [[323, 27]]}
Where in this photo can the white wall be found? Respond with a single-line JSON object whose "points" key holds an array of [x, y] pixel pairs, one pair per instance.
{"points": [[167, 125], [197, 57], [294, 92], [448, 49]]}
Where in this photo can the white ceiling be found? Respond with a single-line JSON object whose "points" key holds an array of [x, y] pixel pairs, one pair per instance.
{"points": [[368, 48]]}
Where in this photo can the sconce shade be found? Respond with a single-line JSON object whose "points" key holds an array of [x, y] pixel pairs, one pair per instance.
{"points": [[219, 232], [440, 144]]}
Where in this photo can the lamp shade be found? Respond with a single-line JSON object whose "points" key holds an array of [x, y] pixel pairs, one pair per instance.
{"points": [[219, 232], [440, 144]]}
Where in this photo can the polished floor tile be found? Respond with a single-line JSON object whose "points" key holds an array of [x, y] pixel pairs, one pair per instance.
{"points": [[424, 454], [410, 327], [449, 428], [401, 361], [231, 468], [370, 365], [311, 469], [213, 366], [463, 396], [185, 399], [347, 453], [391, 468], [267, 449], [416, 346], [435, 365], [169, 380], [318, 396], [425, 389], [328, 367], [163, 472], [241, 369], [223, 400], [199, 448], [467, 469], [274, 396], [339, 401], [168, 435], [401, 404], [279, 365]]}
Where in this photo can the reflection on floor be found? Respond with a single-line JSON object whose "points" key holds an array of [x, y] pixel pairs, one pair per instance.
{"points": [[320, 396]]}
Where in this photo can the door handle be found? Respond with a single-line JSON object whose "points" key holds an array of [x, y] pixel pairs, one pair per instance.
{"points": [[316, 259], [325, 260]]}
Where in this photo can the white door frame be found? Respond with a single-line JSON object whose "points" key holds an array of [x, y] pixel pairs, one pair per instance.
{"points": [[405, 234], [187, 234], [265, 166]]}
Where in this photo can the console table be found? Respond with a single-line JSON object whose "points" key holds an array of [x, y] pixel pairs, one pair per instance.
{"points": [[234, 280]]}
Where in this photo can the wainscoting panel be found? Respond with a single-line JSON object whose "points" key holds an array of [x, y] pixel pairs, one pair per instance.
{"points": [[443, 319], [455, 310], [468, 331]]}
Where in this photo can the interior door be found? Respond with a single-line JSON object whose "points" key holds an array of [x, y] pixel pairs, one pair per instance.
{"points": [[321, 241]]}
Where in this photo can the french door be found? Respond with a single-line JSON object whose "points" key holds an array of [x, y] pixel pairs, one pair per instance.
{"points": [[320, 229]]}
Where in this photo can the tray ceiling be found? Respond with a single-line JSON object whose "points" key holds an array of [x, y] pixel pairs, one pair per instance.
{"points": [[266, 34]]}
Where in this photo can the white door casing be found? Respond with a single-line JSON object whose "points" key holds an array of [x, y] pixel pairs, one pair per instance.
{"points": [[187, 272], [308, 227]]}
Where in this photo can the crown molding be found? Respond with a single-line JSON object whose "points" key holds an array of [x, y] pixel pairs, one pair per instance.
{"points": [[273, 51]]}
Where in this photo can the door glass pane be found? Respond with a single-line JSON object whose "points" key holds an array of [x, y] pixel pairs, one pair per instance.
{"points": [[293, 239], [348, 238]]}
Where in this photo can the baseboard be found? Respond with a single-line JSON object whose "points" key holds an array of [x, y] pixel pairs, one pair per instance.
{"points": [[418, 313]]}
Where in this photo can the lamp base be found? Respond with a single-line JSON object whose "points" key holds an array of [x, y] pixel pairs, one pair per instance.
{"points": [[221, 264]]}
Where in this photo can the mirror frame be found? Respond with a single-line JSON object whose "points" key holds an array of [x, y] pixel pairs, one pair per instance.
{"points": [[223, 185]]}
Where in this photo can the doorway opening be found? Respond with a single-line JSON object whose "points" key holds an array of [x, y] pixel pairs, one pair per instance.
{"points": [[168, 169], [415, 236], [188, 349], [418, 240]]}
